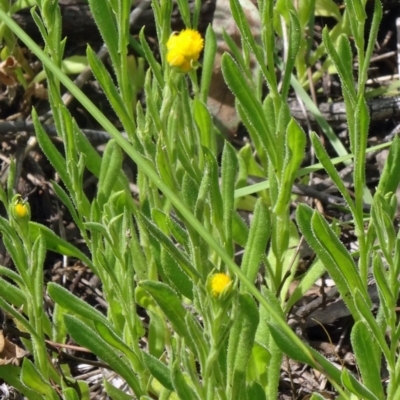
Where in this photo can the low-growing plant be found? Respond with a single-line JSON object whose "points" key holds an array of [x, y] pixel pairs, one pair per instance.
{"points": [[211, 333]]}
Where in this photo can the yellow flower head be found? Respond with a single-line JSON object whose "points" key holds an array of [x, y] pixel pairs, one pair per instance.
{"points": [[20, 208], [184, 48], [218, 283]]}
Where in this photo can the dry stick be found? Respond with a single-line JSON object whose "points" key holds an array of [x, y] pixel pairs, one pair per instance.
{"points": [[96, 137], [379, 108]]}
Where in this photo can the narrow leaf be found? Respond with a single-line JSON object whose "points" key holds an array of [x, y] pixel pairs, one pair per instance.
{"points": [[294, 154], [364, 347], [88, 338], [229, 171], [172, 307], [252, 108], [159, 370], [257, 242], [69, 302], [240, 345], [355, 387], [111, 165]]}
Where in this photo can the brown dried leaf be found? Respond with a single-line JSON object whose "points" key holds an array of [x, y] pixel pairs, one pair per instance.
{"points": [[10, 353], [221, 101], [7, 74], [36, 90]]}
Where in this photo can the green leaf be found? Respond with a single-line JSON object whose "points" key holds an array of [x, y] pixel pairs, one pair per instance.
{"points": [[112, 93], [172, 307], [255, 391], [39, 23], [38, 255], [270, 350], [63, 196], [383, 224], [252, 166], [365, 311], [183, 6], [355, 387], [11, 179], [18, 317], [70, 393], [32, 378], [317, 396], [115, 393], [74, 304], [228, 177], [11, 294], [240, 344], [286, 344], [245, 30], [179, 279], [308, 280], [180, 383], [359, 148], [294, 46], [169, 246], [14, 247], [334, 175], [390, 177], [164, 166], [252, 108], [208, 64], [257, 242], [373, 33], [340, 64], [108, 335], [294, 155], [215, 193], [204, 125], [52, 154], [364, 347], [387, 301], [327, 8], [197, 333], [111, 166], [84, 147], [345, 55], [105, 21], [259, 362], [96, 227], [11, 374], [178, 232], [88, 338], [317, 237], [155, 66], [157, 332], [159, 370], [190, 190], [339, 254], [58, 245], [240, 231]]}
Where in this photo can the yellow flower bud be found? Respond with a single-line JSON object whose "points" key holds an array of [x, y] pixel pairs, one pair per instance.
{"points": [[184, 49], [218, 283], [21, 210]]}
